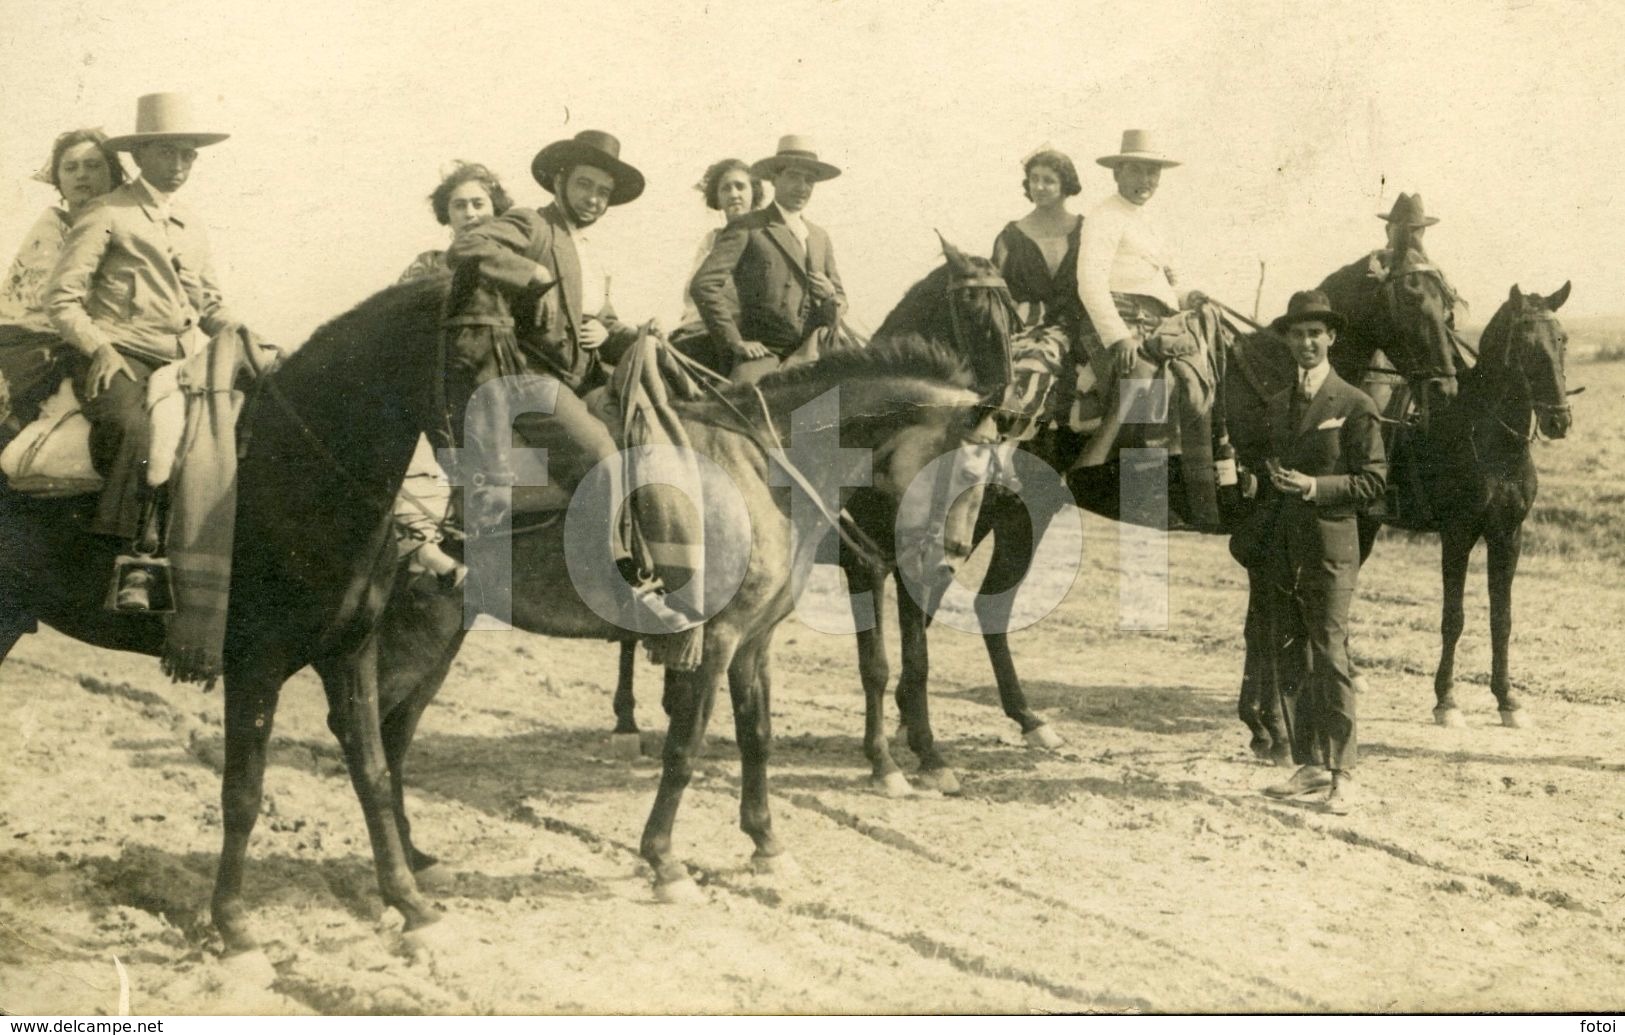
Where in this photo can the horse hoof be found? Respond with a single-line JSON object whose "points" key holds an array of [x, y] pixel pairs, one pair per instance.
{"points": [[783, 865], [1044, 737], [1517, 719], [438, 878], [626, 746], [678, 892], [251, 969], [1451, 718], [893, 785], [943, 781], [427, 941]]}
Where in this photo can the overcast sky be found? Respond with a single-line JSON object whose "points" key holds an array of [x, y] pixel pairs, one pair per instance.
{"points": [[1297, 124]]}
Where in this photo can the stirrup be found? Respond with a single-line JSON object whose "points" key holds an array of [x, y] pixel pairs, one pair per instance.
{"points": [[141, 584]]}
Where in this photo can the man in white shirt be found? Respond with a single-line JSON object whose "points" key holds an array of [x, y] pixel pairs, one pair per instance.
{"points": [[1125, 279]]}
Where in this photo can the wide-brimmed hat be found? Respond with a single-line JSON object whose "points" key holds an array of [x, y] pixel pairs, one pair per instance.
{"points": [[1309, 305], [798, 151], [589, 147], [1408, 210], [1138, 146], [165, 116]]}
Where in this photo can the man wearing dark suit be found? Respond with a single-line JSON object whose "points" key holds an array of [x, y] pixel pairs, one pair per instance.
{"points": [[782, 267], [1327, 463], [528, 295]]}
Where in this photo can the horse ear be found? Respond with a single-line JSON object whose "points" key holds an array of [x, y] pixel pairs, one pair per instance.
{"points": [[955, 257], [1561, 295], [1516, 296]]}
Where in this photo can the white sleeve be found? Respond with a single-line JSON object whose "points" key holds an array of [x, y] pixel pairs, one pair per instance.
{"points": [[1097, 251]]}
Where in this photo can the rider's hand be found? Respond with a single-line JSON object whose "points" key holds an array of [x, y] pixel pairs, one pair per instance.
{"points": [[751, 350], [593, 333], [652, 328], [541, 276], [1126, 349], [823, 289], [105, 365]]}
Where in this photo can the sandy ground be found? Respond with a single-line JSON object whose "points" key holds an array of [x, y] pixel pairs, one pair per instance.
{"points": [[1136, 869]]}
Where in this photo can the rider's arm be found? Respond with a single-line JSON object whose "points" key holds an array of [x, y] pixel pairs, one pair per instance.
{"points": [[834, 275], [69, 286], [710, 286], [499, 249], [1097, 252]]}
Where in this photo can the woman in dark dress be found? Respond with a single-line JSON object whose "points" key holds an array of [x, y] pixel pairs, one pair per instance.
{"points": [[1038, 253]]}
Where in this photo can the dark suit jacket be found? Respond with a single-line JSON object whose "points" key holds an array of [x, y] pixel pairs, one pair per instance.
{"points": [[1338, 440], [494, 267], [764, 262]]}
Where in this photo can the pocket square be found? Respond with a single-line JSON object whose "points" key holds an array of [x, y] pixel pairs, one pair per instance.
{"points": [[1330, 423]]}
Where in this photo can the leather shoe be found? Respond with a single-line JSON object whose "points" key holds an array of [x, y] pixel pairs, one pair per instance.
{"points": [[1309, 779], [1345, 797]]}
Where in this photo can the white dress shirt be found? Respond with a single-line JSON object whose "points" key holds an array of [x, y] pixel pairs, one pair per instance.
{"points": [[592, 274], [1120, 251], [797, 225]]}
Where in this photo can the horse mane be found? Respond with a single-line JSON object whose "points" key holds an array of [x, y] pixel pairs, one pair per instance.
{"points": [[907, 355], [1494, 339]]}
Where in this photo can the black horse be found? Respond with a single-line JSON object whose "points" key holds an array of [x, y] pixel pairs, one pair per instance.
{"points": [[328, 442], [1480, 480]]}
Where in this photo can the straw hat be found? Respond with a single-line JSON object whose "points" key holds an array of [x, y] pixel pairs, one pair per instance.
{"points": [[165, 116], [795, 150], [1138, 146]]}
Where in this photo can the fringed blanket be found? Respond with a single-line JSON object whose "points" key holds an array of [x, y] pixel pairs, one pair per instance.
{"points": [[203, 494]]}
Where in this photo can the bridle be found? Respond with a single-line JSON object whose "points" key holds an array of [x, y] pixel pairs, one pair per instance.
{"points": [[1513, 359], [1435, 369], [959, 286]]}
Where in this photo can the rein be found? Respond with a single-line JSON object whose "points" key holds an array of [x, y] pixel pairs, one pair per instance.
{"points": [[1001, 293]]}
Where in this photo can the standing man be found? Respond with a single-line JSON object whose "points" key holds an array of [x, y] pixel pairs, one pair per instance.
{"points": [[1326, 463], [529, 296], [135, 277], [1126, 281], [782, 266]]}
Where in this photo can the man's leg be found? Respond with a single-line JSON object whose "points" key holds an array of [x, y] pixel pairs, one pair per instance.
{"points": [[120, 439]]}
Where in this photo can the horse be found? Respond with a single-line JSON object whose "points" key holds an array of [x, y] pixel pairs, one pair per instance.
{"points": [[903, 403], [1402, 319], [327, 439], [964, 307], [1480, 481]]}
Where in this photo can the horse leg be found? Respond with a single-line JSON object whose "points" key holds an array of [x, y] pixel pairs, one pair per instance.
{"points": [[1505, 545], [687, 699], [399, 727], [1455, 548], [875, 674], [913, 701], [14, 627], [626, 720], [251, 699], [1016, 532], [353, 713], [751, 689]]}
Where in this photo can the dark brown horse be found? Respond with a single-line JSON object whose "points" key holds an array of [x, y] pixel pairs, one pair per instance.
{"points": [[1480, 480], [901, 405], [311, 568]]}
